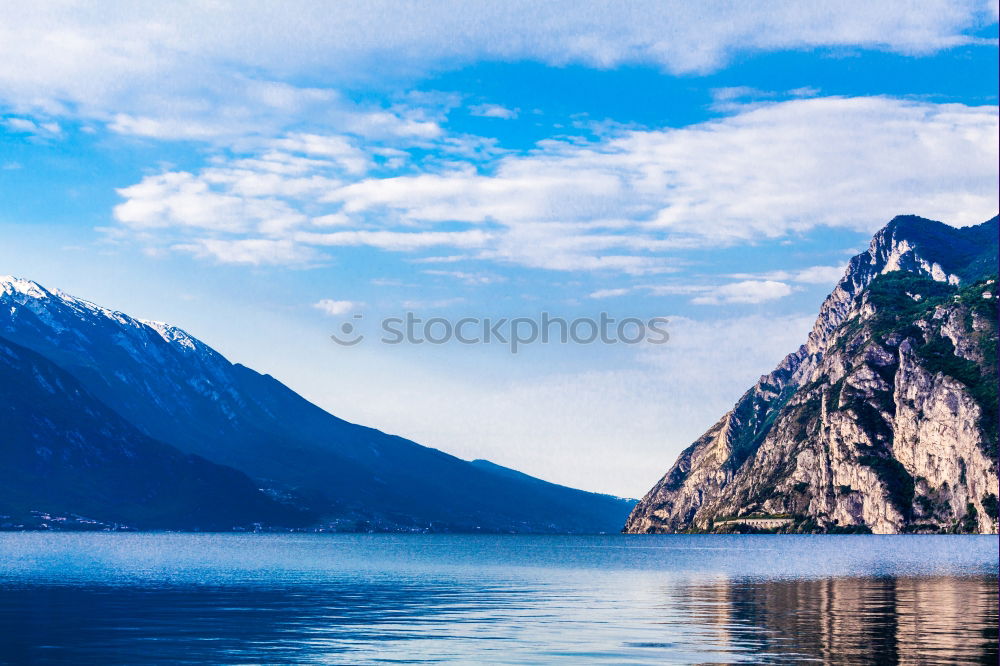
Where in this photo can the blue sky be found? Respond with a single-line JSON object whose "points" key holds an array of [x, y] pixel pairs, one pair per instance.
{"points": [[259, 175]]}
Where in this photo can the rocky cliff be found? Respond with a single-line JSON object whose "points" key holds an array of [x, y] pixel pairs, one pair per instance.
{"points": [[885, 420]]}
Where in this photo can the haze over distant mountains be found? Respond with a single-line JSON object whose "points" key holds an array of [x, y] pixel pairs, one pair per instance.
{"points": [[885, 420], [127, 421]]}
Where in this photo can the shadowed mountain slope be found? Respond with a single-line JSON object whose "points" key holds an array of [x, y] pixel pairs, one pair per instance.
{"points": [[178, 390], [63, 452]]}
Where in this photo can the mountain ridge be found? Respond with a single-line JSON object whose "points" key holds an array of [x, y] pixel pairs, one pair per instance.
{"points": [[180, 391]]}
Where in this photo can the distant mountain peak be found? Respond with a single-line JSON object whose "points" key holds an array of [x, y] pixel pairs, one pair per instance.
{"points": [[37, 298], [16, 285], [937, 250], [50, 305], [910, 219]]}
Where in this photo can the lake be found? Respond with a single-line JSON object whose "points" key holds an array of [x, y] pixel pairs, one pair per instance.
{"points": [[252, 598]]}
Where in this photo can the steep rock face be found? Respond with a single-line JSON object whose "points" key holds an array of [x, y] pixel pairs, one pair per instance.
{"points": [[881, 421]]}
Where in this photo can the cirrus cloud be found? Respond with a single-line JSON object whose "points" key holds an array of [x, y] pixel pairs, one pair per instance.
{"points": [[493, 111]]}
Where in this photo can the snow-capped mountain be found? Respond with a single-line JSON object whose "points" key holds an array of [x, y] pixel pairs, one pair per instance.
{"points": [[176, 389]]}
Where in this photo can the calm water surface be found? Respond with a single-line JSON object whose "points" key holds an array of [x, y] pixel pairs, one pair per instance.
{"points": [[183, 598]]}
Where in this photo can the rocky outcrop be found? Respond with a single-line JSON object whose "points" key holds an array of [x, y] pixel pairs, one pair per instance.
{"points": [[885, 420]]}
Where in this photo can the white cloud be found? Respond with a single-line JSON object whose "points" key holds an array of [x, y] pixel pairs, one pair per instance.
{"points": [[391, 282], [336, 148], [625, 203], [608, 293], [740, 98], [99, 54], [448, 259], [736, 92], [336, 308], [166, 128], [676, 289], [220, 71], [180, 199], [747, 291], [433, 304], [397, 241], [825, 275], [785, 167], [820, 274], [493, 111], [44, 129], [252, 251], [383, 124], [468, 278]]}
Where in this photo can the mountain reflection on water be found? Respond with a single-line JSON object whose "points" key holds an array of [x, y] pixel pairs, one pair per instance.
{"points": [[348, 599]]}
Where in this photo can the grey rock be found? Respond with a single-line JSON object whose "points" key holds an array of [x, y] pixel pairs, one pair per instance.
{"points": [[880, 421]]}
